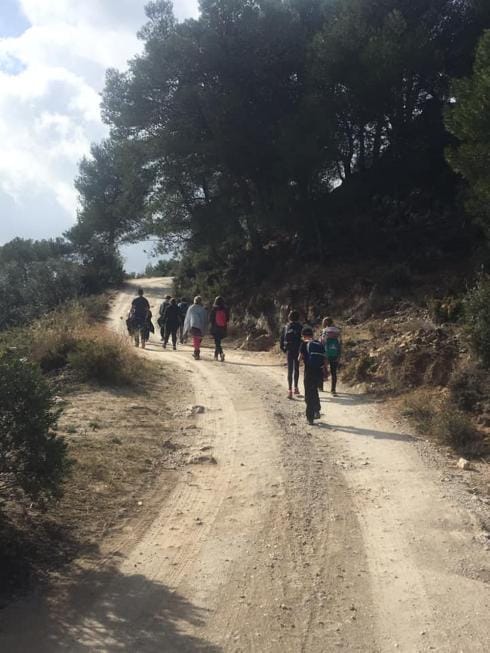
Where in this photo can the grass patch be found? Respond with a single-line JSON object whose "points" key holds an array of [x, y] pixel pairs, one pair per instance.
{"points": [[72, 337], [443, 421], [420, 410], [455, 429]]}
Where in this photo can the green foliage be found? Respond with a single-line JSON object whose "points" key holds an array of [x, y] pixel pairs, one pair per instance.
{"points": [[32, 457], [469, 120], [477, 317], [163, 268], [469, 385], [314, 129], [35, 276]]}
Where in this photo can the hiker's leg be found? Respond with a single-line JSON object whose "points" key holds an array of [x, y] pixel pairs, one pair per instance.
{"points": [[310, 390], [333, 371], [290, 370], [296, 368], [174, 336], [216, 345], [319, 376]]}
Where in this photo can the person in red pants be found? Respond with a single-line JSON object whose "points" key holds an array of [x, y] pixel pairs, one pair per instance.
{"points": [[196, 321]]}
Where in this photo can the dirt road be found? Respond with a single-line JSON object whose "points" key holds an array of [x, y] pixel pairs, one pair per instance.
{"points": [[281, 537]]}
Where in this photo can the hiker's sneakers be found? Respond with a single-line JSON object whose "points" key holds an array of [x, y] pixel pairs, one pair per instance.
{"points": [[296, 391], [317, 415], [290, 394], [334, 394], [311, 422], [196, 355], [222, 357], [216, 357]]}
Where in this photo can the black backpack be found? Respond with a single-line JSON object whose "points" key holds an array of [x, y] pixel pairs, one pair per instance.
{"points": [[316, 354], [292, 335]]}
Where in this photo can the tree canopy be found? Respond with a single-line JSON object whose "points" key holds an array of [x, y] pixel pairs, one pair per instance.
{"points": [[306, 126], [469, 120]]}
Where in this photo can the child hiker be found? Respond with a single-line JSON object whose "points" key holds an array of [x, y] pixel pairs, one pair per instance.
{"points": [[313, 354], [331, 341], [218, 320], [290, 344]]}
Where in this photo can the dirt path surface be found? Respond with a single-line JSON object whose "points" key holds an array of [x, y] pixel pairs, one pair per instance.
{"points": [[280, 537]]}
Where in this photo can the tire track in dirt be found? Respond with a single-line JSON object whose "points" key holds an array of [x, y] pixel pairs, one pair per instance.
{"points": [[300, 539]]}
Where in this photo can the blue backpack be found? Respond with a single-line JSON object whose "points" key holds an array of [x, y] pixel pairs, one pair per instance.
{"points": [[316, 354]]}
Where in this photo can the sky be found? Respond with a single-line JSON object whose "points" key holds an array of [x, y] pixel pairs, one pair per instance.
{"points": [[53, 57]]}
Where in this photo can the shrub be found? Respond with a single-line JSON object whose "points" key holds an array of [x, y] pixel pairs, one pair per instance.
{"points": [[32, 456], [419, 409], [105, 357], [468, 386], [446, 310], [454, 428], [477, 314]]}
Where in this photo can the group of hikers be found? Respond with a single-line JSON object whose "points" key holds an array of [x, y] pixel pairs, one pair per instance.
{"points": [[182, 318], [320, 357]]}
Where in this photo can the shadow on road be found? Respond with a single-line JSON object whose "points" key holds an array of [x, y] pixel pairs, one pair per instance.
{"points": [[105, 610], [379, 435]]}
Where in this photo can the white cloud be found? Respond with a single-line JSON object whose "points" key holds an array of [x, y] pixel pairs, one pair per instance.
{"points": [[50, 82]]}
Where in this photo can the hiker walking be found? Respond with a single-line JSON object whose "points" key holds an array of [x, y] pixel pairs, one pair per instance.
{"points": [[170, 323], [313, 354], [137, 321], [218, 320], [161, 315], [331, 340], [290, 344], [183, 307], [195, 323]]}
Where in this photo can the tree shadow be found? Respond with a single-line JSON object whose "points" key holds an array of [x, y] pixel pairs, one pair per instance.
{"points": [[105, 610]]}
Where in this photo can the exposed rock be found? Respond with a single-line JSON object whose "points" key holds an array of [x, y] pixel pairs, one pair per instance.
{"points": [[196, 410], [261, 343], [463, 463], [202, 459]]}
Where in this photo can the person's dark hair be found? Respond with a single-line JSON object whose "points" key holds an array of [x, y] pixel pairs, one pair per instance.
{"points": [[173, 301], [293, 316], [168, 297], [219, 301], [141, 292], [183, 300], [306, 331]]}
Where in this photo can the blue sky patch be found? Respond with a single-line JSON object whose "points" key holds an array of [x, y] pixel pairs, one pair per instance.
{"points": [[12, 20]]}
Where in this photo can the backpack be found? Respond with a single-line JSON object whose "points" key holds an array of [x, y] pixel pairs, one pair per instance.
{"points": [[220, 318], [332, 348], [292, 335], [316, 354]]}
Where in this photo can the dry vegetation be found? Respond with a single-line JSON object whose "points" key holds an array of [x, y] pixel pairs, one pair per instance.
{"points": [[120, 426]]}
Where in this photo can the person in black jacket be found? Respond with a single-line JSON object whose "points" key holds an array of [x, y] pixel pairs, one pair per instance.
{"points": [[218, 320], [290, 344], [313, 355], [171, 323], [138, 317]]}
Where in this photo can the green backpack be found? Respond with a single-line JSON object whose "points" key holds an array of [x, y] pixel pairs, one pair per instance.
{"points": [[332, 348]]}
